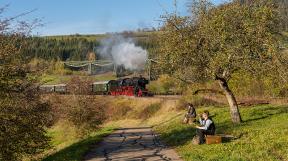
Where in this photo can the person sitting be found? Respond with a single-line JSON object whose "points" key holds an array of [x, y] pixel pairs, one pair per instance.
{"points": [[190, 115], [207, 127]]}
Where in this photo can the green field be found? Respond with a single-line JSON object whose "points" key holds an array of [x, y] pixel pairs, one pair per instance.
{"points": [[261, 136]]}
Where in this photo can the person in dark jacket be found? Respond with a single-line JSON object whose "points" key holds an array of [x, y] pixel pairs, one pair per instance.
{"points": [[190, 115], [207, 127]]}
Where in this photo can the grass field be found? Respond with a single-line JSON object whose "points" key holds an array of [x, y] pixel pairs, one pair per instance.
{"points": [[68, 146], [261, 136]]}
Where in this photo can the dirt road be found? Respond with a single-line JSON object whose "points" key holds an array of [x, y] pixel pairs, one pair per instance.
{"points": [[132, 144]]}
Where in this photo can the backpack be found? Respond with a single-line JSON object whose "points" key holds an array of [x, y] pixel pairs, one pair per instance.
{"points": [[212, 127]]}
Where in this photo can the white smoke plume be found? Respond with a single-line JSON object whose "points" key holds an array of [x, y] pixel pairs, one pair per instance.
{"points": [[123, 51]]}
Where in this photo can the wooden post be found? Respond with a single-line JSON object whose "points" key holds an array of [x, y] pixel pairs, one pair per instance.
{"points": [[90, 68]]}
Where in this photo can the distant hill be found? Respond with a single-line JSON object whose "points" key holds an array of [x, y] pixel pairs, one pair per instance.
{"points": [[76, 47], [97, 37]]}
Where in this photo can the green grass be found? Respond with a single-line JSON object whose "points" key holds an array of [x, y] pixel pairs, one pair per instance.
{"points": [[263, 135], [75, 151]]}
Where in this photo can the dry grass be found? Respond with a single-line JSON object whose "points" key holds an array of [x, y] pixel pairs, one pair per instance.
{"points": [[144, 111]]}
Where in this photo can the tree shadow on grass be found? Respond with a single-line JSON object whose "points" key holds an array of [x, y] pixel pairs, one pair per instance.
{"points": [[266, 113], [179, 136], [77, 150], [185, 133], [182, 134]]}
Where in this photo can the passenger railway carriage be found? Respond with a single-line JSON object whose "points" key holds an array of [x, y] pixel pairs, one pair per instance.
{"points": [[135, 86]]}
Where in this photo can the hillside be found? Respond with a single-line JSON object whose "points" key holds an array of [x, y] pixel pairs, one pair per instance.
{"points": [[76, 47], [261, 136]]}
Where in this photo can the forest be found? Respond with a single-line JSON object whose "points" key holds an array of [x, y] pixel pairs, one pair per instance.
{"points": [[75, 47]]}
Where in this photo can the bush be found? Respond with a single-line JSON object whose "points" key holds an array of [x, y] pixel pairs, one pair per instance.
{"points": [[23, 116], [23, 122], [166, 85], [118, 110], [149, 111], [56, 67], [84, 112], [78, 85]]}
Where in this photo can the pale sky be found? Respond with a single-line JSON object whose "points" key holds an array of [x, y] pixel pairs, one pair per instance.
{"points": [[63, 17]]}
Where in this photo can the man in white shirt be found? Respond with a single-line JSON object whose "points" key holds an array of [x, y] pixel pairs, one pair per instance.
{"points": [[207, 127]]}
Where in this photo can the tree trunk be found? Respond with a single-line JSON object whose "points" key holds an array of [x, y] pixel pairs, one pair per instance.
{"points": [[234, 110]]}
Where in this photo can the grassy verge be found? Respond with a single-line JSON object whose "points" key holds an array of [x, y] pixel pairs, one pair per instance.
{"points": [[72, 148], [262, 135]]}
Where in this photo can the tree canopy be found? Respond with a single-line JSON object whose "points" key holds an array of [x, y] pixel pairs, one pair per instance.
{"points": [[217, 41], [23, 116]]}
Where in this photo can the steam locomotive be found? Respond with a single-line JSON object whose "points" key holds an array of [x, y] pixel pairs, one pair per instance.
{"points": [[135, 86]]}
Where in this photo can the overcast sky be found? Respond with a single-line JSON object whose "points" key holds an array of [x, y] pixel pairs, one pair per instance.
{"points": [[62, 17]]}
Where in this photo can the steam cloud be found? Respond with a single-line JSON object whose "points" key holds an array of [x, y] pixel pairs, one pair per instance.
{"points": [[123, 51]]}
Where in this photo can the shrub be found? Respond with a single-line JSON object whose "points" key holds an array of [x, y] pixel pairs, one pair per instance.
{"points": [[84, 112], [23, 116], [23, 122], [56, 67], [78, 85], [149, 111], [115, 112], [166, 85]]}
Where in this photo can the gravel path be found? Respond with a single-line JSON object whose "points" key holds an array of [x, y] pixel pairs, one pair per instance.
{"points": [[132, 144]]}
